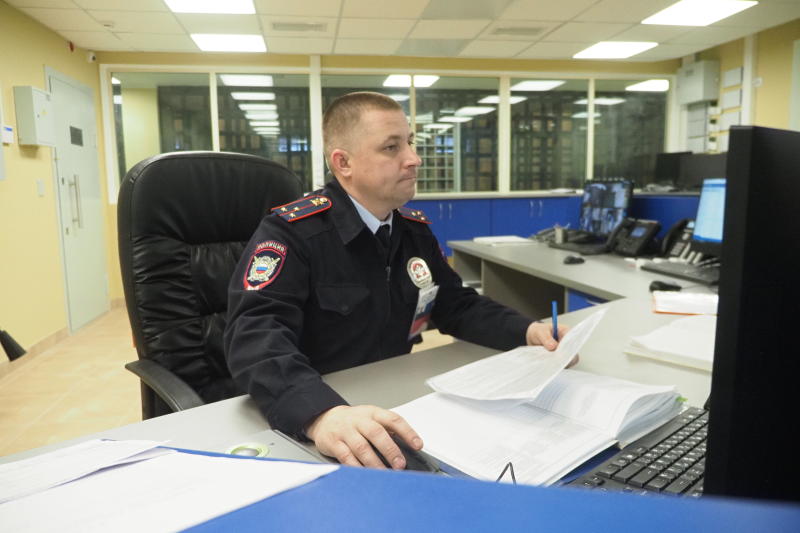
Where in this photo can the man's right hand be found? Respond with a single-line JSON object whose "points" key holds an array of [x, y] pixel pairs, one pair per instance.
{"points": [[349, 432]]}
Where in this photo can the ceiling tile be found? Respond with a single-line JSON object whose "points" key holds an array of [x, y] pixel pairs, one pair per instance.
{"points": [[493, 48], [277, 26], [64, 19], [303, 8], [386, 9], [524, 30], [123, 5], [374, 28], [215, 23], [296, 45], [64, 4], [649, 32], [585, 32], [432, 47], [136, 21], [762, 16], [666, 51], [95, 40], [367, 46], [448, 9], [448, 29], [543, 50], [539, 10], [623, 10], [710, 36], [152, 42]]}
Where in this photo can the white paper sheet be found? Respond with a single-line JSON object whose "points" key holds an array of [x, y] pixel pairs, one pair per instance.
{"points": [[502, 239], [169, 493], [687, 341], [27, 476], [685, 303], [519, 374]]}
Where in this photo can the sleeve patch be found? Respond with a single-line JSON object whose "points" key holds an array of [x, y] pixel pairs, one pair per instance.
{"points": [[413, 214], [302, 208], [265, 264]]}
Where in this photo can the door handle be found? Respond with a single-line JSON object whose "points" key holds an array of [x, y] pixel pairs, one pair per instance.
{"points": [[450, 211], [75, 185]]}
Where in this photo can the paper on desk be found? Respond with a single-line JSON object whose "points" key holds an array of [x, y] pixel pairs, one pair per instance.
{"points": [[687, 341], [518, 374], [685, 303], [168, 493], [27, 476], [502, 239]]}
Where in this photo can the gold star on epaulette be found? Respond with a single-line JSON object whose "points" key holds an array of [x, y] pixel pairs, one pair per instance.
{"points": [[283, 209], [292, 215]]}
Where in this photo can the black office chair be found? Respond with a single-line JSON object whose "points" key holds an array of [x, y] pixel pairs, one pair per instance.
{"points": [[183, 221]]}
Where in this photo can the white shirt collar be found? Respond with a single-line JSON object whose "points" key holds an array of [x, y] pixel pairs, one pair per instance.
{"points": [[372, 222]]}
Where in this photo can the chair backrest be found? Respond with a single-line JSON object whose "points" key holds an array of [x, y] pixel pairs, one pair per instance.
{"points": [[184, 219]]}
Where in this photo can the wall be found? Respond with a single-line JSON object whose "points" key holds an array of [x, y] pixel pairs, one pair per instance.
{"points": [[140, 124], [32, 299], [774, 67]]}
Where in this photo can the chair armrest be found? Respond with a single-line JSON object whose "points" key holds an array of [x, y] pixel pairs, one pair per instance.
{"points": [[168, 386]]}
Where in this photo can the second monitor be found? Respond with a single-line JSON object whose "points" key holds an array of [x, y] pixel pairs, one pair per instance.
{"points": [[604, 206]]}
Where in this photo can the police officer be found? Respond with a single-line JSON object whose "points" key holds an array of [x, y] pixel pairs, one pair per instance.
{"points": [[344, 277]]}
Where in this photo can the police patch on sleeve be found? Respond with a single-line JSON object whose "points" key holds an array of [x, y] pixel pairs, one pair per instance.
{"points": [[265, 265]]}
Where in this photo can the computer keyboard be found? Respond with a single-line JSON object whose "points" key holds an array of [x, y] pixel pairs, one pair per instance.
{"points": [[581, 248], [668, 460], [707, 274]]}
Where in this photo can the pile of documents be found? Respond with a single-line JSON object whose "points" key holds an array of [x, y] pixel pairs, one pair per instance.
{"points": [[522, 407], [685, 303], [103, 485], [687, 341]]}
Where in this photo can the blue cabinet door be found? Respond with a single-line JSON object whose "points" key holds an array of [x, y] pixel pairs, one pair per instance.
{"points": [[513, 216], [562, 210], [666, 209], [456, 219]]}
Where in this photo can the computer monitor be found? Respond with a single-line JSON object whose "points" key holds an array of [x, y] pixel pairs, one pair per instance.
{"points": [[755, 404], [697, 167], [604, 205], [668, 167], [707, 237]]}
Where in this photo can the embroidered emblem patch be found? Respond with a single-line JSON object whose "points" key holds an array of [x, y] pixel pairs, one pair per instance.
{"points": [[419, 272], [265, 265]]}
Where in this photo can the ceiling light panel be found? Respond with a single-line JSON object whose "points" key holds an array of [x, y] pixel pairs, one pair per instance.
{"points": [[655, 86], [494, 99], [536, 85], [404, 80], [231, 7], [252, 96], [473, 110], [601, 100], [698, 12], [246, 80], [258, 107], [614, 49], [217, 42]]}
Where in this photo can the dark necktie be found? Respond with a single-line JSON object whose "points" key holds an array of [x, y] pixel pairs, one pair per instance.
{"points": [[383, 237]]}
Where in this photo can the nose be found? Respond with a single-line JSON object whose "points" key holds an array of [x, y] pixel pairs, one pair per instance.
{"points": [[414, 160]]}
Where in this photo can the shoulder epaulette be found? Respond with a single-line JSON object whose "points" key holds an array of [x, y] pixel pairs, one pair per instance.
{"points": [[302, 208], [413, 214]]}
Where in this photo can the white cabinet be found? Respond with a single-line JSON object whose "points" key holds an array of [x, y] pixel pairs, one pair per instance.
{"points": [[35, 124]]}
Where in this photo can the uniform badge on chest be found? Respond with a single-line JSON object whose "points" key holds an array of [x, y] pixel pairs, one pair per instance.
{"points": [[419, 272]]}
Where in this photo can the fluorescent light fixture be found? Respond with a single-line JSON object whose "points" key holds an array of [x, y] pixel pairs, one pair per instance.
{"points": [[267, 130], [473, 110], [263, 123], [118, 99], [536, 85], [246, 80], [494, 99], [224, 42], [261, 115], [404, 80], [654, 86], [425, 118], [252, 96], [436, 126], [115, 81], [399, 97], [601, 100], [584, 114], [258, 107], [455, 119], [615, 49], [698, 12], [229, 7], [423, 135]]}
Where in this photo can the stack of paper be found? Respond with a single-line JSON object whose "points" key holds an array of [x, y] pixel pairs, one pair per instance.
{"points": [[686, 341], [502, 239], [685, 303]]}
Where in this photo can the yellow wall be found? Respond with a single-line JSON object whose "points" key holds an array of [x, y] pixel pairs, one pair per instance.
{"points": [[32, 300], [774, 67], [140, 124]]}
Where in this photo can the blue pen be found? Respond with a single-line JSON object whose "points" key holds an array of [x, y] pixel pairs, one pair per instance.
{"points": [[555, 320]]}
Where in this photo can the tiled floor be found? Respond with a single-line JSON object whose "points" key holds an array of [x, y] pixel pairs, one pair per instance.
{"points": [[80, 386]]}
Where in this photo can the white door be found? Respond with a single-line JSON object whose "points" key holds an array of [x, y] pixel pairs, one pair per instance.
{"points": [[79, 200]]}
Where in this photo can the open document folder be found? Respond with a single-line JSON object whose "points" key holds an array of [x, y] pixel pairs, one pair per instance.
{"points": [[528, 411], [169, 491]]}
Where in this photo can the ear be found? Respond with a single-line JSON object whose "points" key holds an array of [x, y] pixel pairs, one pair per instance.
{"points": [[340, 161]]}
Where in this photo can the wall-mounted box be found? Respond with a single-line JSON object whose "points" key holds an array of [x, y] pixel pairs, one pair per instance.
{"points": [[35, 124], [698, 82]]}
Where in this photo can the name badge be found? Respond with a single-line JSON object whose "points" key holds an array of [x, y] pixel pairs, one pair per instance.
{"points": [[422, 314]]}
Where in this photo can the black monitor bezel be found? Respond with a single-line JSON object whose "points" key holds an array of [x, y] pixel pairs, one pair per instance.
{"points": [[628, 185]]}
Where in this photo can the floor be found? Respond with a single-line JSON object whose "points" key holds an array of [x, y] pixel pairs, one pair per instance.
{"points": [[80, 386]]}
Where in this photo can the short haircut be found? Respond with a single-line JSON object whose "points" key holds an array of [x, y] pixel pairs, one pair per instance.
{"points": [[343, 115]]}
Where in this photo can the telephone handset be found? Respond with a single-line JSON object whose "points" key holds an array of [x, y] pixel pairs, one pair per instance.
{"points": [[633, 236], [678, 239]]}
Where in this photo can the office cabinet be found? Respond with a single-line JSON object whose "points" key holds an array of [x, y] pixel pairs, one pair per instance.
{"points": [[456, 219], [35, 119], [523, 216]]}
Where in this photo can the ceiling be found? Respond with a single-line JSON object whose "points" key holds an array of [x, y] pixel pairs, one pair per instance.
{"points": [[522, 29]]}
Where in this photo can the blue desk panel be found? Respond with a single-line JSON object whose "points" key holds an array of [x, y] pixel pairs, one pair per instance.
{"points": [[355, 499]]}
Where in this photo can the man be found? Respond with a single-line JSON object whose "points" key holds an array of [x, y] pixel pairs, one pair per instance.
{"points": [[345, 276]]}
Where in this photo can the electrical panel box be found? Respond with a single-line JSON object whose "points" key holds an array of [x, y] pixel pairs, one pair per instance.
{"points": [[35, 124], [698, 82]]}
